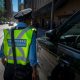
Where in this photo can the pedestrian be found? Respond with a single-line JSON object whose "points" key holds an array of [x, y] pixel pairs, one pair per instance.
{"points": [[19, 47]]}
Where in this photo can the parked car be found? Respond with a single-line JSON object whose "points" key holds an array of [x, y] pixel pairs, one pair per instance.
{"points": [[11, 23], [59, 51], [1, 23]]}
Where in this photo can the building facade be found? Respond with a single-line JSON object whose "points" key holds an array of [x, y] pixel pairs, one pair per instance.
{"points": [[62, 10], [2, 8], [28, 3], [19, 3], [66, 10], [40, 3], [21, 6], [8, 8], [42, 12]]}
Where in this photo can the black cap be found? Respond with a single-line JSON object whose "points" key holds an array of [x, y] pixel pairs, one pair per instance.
{"points": [[26, 13]]}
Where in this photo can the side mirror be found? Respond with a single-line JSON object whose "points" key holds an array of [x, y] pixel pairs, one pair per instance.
{"points": [[51, 34]]}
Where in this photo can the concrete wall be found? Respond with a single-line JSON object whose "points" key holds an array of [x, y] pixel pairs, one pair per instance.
{"points": [[61, 14], [68, 9], [40, 3]]}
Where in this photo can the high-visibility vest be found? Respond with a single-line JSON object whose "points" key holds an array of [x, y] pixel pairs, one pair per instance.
{"points": [[22, 39]]}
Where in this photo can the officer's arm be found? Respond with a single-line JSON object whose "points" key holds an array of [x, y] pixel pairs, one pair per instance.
{"points": [[2, 55], [33, 56], [1, 52], [32, 52]]}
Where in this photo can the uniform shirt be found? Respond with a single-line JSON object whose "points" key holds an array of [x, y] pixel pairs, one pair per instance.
{"points": [[32, 52]]}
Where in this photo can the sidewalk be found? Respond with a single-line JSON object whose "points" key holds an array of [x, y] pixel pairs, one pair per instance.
{"points": [[1, 70]]}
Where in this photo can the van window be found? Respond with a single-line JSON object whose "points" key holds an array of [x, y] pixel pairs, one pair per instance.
{"points": [[72, 37]]}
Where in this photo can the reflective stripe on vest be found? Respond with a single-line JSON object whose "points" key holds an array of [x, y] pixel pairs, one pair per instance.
{"points": [[23, 39]]}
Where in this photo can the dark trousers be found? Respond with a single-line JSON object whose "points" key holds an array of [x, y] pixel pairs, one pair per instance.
{"points": [[20, 73]]}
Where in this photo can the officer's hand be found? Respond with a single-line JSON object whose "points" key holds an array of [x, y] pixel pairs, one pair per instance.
{"points": [[34, 75], [4, 60]]}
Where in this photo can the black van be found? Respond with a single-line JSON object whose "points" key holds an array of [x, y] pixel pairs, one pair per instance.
{"points": [[59, 51]]}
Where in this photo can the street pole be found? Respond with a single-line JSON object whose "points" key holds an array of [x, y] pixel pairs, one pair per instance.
{"points": [[32, 12], [52, 15]]}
